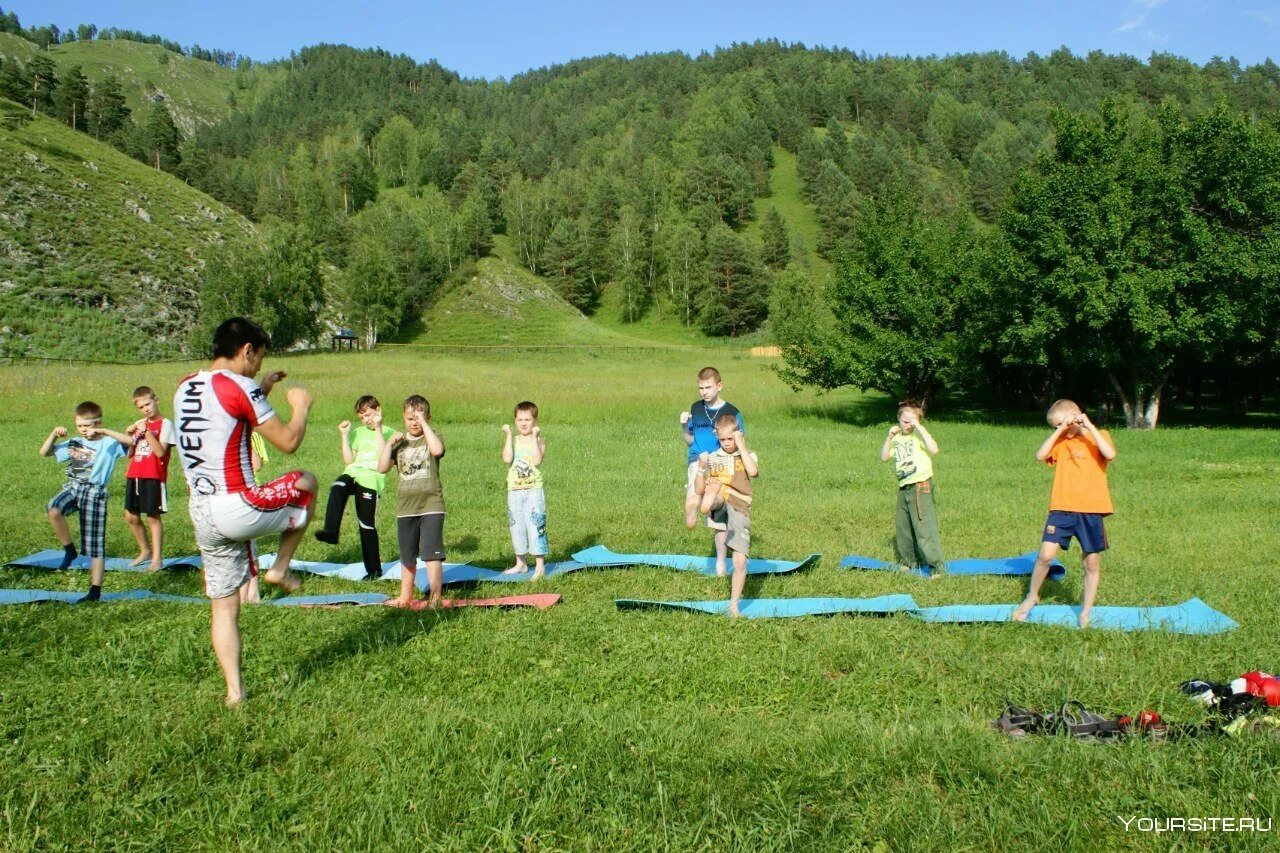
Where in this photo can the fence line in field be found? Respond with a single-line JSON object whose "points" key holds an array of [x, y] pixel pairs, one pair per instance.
{"points": [[755, 351]]}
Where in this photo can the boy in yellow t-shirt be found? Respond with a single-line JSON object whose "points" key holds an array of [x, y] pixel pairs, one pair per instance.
{"points": [[723, 482], [1079, 453], [911, 448]]}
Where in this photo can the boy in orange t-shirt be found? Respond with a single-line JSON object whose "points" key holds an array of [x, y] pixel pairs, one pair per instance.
{"points": [[1079, 453]]}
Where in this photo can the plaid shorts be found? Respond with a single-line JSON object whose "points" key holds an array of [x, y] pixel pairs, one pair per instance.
{"points": [[90, 501]]}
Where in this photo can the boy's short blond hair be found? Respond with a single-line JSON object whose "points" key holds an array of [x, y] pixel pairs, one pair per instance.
{"points": [[709, 373], [143, 391], [418, 403], [911, 405], [724, 419], [1059, 409]]}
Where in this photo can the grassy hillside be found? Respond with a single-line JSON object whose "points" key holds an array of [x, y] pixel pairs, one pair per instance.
{"points": [[99, 254], [197, 92], [785, 193], [587, 728], [504, 303]]}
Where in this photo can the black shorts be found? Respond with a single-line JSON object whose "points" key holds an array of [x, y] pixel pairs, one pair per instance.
{"points": [[145, 497], [420, 537]]}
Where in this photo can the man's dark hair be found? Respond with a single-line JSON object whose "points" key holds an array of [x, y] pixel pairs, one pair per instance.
{"points": [[231, 336]]}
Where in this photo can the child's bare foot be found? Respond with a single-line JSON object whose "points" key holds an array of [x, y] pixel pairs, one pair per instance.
{"points": [[734, 613], [721, 571], [398, 602], [539, 574], [1084, 618], [904, 568], [516, 570], [283, 578], [143, 557], [156, 565], [233, 701], [434, 601], [1020, 615]]}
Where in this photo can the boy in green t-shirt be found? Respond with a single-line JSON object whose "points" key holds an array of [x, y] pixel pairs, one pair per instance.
{"points": [[361, 450], [911, 448]]}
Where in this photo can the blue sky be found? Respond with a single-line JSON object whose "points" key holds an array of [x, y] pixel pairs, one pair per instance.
{"points": [[482, 38]]}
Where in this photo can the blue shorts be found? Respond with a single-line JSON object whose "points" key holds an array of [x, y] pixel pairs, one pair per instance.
{"points": [[1060, 527]]}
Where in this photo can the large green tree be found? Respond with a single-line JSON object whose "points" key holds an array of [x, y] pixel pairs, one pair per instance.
{"points": [[276, 281], [736, 299]]}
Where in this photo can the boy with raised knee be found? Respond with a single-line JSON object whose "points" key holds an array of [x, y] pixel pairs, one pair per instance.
{"points": [[697, 426], [1079, 453], [723, 483]]}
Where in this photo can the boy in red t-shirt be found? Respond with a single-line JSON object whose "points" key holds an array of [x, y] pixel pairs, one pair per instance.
{"points": [[1079, 453], [146, 477]]}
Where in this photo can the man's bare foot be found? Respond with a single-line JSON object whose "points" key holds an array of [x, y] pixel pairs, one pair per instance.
{"points": [[143, 557], [1084, 618], [398, 602], [1020, 615], [721, 570], [283, 578], [515, 570]]}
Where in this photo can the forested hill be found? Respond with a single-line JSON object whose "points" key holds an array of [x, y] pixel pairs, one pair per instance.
{"points": [[639, 174], [641, 186]]}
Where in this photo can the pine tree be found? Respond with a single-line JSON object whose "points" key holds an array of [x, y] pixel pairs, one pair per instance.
{"points": [[71, 97], [775, 242], [160, 138], [42, 78], [560, 260], [736, 300], [106, 111]]}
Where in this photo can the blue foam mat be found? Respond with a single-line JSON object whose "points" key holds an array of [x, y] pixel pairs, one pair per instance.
{"points": [[781, 608], [52, 558], [1019, 566], [454, 573], [35, 596], [599, 555], [1190, 617]]}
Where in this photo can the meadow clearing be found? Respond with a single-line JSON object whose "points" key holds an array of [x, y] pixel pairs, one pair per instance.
{"points": [[584, 727]]}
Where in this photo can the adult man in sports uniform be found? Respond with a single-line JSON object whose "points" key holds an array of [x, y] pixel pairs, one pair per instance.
{"points": [[215, 411]]}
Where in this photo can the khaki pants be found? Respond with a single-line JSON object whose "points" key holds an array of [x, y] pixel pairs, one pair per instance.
{"points": [[916, 528]]}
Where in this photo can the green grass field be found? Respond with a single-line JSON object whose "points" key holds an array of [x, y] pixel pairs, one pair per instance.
{"points": [[582, 727]]}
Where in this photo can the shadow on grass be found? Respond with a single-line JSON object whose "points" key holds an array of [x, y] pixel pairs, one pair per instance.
{"points": [[387, 631], [871, 410]]}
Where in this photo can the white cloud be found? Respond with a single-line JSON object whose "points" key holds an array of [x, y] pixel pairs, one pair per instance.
{"points": [[1139, 11]]}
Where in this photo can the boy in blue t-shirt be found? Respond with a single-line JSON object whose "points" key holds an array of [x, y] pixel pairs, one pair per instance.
{"points": [[90, 461], [698, 429]]}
